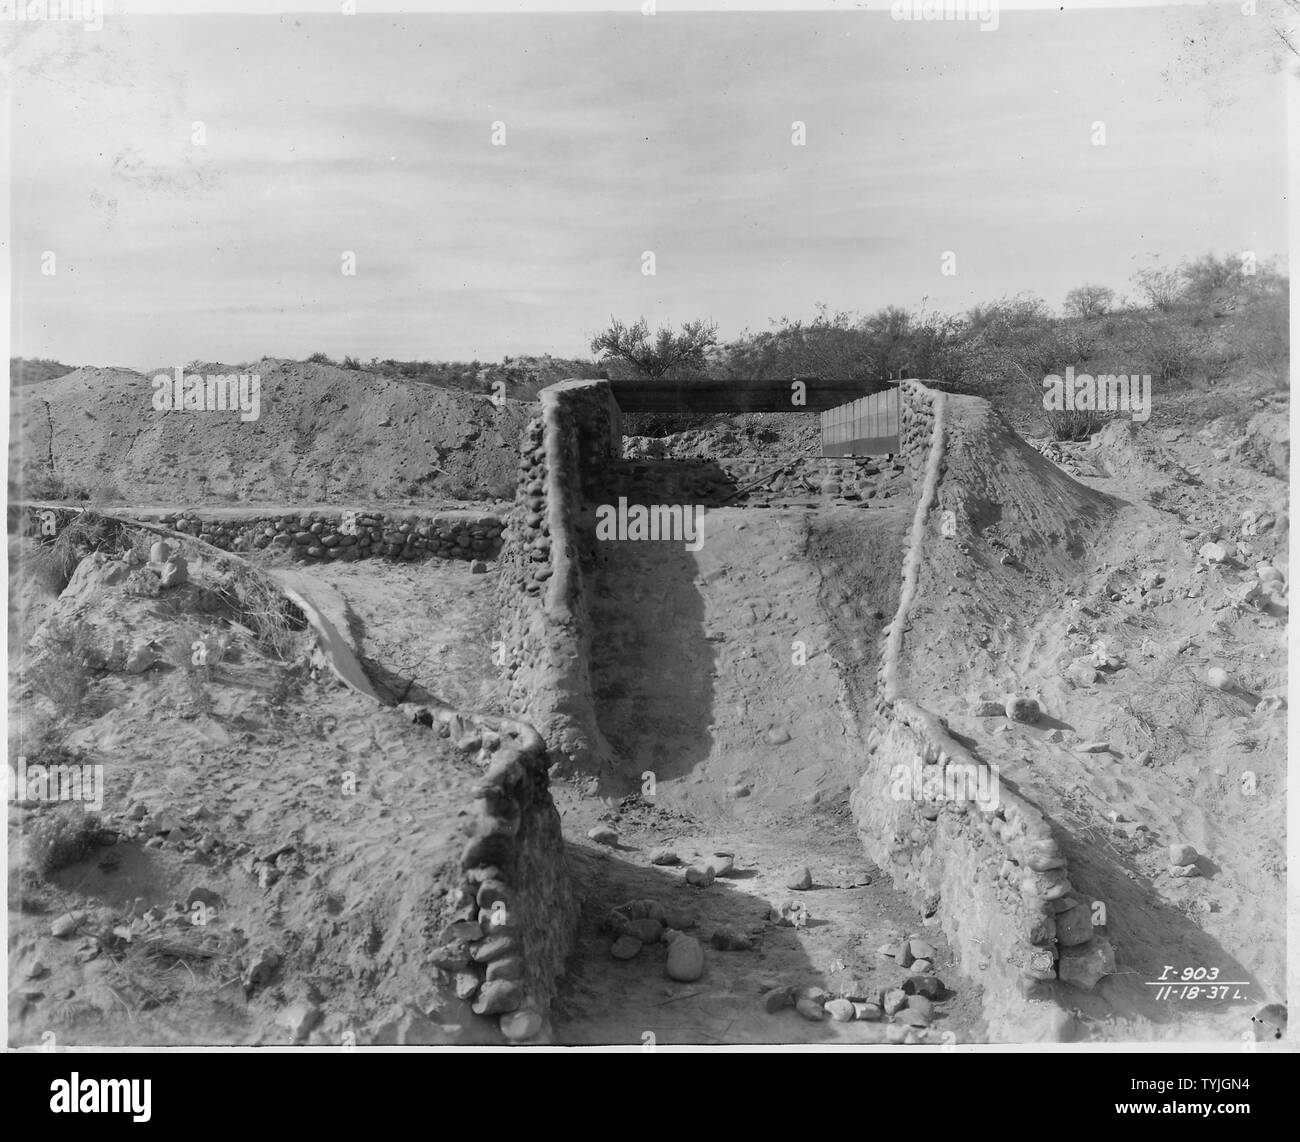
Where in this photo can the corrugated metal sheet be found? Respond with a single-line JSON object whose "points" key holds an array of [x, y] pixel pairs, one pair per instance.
{"points": [[864, 427]]}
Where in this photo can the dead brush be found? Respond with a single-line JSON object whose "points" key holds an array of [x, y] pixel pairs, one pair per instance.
{"points": [[167, 965], [55, 560], [259, 604]]}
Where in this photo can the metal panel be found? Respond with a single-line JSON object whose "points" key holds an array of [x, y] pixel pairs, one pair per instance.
{"points": [[864, 427]]}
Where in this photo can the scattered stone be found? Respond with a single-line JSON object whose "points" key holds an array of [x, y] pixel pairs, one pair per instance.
{"points": [[678, 919], [1103, 657], [1023, 709], [777, 735], [912, 1016], [840, 1010], [664, 856], [477, 566], [855, 989], [699, 877], [895, 1000], [777, 999], [466, 985], [299, 1019], [921, 950], [604, 835], [1219, 678], [722, 863], [922, 1006], [625, 948], [520, 1026], [987, 708], [738, 791], [903, 954], [923, 966], [174, 572], [1213, 552], [867, 1012], [800, 881], [729, 940], [791, 914], [1182, 854], [810, 1009], [1183, 871], [1093, 747], [261, 968], [685, 959], [142, 657], [647, 931], [1082, 672], [66, 924], [926, 985]]}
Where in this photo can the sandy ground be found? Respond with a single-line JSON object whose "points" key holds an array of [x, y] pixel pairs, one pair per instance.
{"points": [[733, 684], [715, 680]]}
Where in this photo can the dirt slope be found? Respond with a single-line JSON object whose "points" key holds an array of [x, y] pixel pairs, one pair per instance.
{"points": [[323, 433], [1137, 750]]}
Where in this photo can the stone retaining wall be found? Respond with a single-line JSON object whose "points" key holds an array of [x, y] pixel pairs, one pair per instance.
{"points": [[329, 534], [509, 924], [545, 628], [937, 817]]}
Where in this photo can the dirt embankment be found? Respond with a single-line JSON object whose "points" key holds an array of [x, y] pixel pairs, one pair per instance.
{"points": [[321, 434], [1112, 598]]}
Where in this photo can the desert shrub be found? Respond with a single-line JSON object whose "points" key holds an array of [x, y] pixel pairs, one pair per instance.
{"points": [[60, 838], [1072, 424], [319, 359], [67, 662], [1168, 348], [44, 486], [351, 363]]}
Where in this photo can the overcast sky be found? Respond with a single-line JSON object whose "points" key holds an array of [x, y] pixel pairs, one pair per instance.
{"points": [[624, 134]]}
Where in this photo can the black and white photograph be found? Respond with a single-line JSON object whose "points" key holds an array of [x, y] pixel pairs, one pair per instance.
{"points": [[606, 527]]}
